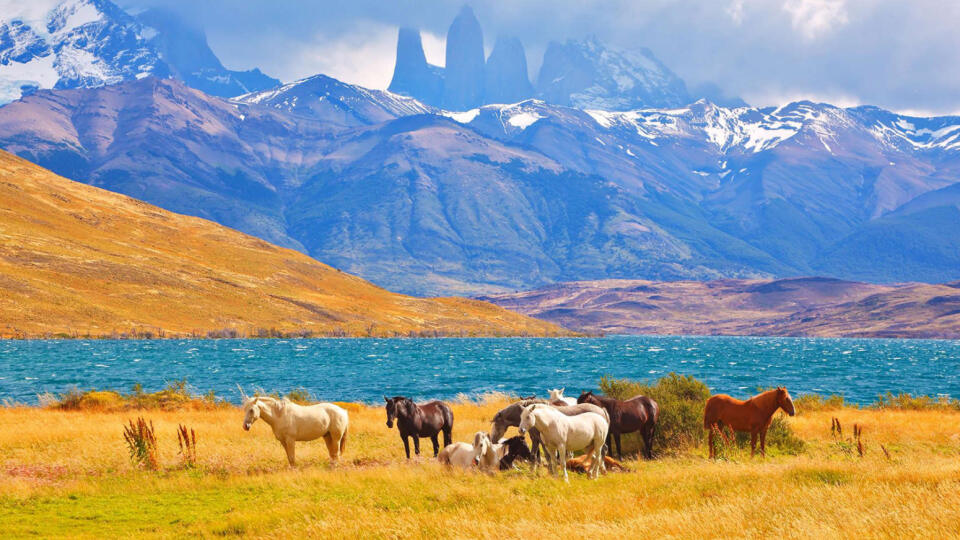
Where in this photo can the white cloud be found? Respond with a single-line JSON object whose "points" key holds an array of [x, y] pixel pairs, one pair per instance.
{"points": [[435, 48], [813, 18], [735, 11]]}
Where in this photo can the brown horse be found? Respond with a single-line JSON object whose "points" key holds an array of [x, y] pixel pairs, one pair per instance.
{"points": [[638, 413], [416, 421], [753, 415]]}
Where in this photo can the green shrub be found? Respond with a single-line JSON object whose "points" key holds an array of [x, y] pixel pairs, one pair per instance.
{"points": [[300, 396], [908, 402], [681, 399], [816, 402]]}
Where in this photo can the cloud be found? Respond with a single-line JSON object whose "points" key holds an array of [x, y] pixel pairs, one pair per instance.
{"points": [[814, 17], [895, 54]]}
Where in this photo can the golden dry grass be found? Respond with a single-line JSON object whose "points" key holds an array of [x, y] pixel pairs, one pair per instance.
{"points": [[67, 474], [78, 260]]}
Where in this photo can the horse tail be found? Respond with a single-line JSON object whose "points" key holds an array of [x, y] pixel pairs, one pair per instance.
{"points": [[708, 419], [343, 441]]}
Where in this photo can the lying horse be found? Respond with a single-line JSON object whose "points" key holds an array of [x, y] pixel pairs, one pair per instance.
{"points": [[482, 453], [291, 422], [561, 433], [556, 398], [753, 415], [583, 464], [510, 416], [417, 421], [638, 413], [516, 449]]}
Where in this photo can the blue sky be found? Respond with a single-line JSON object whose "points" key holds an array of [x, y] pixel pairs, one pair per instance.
{"points": [[898, 54]]}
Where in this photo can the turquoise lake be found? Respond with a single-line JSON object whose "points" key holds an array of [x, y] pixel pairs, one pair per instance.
{"points": [[366, 369]]}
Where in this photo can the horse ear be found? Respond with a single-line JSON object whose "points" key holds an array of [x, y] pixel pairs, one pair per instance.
{"points": [[562, 389], [385, 398]]}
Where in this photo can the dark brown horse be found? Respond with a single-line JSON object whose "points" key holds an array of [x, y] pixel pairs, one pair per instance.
{"points": [[753, 415], [638, 413], [417, 421]]}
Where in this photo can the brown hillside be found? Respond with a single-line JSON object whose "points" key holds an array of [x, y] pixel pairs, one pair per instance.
{"points": [[787, 307], [79, 260]]}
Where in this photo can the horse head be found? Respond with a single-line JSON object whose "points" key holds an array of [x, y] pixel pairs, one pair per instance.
{"points": [[588, 397], [556, 394], [785, 401], [251, 412], [481, 445], [497, 426], [528, 419], [391, 409]]}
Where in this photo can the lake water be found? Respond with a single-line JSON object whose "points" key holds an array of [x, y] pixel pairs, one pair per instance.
{"points": [[365, 369]]}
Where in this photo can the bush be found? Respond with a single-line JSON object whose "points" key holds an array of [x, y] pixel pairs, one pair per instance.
{"points": [[816, 402], [300, 396], [908, 402], [176, 395], [681, 399]]}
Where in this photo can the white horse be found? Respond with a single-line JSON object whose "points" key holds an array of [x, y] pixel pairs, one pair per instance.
{"points": [[482, 453], [561, 433], [556, 398], [291, 422]]}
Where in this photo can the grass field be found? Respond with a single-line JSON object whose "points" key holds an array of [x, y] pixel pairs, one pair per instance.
{"points": [[67, 473]]}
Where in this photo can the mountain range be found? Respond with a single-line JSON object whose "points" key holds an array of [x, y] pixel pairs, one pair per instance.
{"points": [[77, 261], [91, 43], [430, 199], [818, 307]]}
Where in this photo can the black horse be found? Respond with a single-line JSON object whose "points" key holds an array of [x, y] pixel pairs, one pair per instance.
{"points": [[517, 449], [416, 421]]}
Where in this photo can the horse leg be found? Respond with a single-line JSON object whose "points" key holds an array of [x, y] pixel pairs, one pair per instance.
{"points": [[436, 444], [562, 453], [551, 454], [763, 442], [753, 442], [447, 436], [288, 445], [616, 437], [406, 444], [710, 443], [535, 447], [333, 448], [648, 440], [416, 444]]}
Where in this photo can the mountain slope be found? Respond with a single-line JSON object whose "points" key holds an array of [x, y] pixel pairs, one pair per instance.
{"points": [[508, 197], [78, 260], [788, 307]]}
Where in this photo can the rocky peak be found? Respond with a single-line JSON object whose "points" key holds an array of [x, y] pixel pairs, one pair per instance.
{"points": [[588, 74], [412, 75], [464, 71], [507, 80]]}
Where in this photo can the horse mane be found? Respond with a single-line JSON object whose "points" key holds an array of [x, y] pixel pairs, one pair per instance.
{"points": [[524, 403]]}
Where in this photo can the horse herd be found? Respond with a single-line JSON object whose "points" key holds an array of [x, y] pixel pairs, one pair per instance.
{"points": [[557, 426]]}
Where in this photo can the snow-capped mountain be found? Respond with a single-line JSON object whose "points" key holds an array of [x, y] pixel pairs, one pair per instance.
{"points": [[90, 43], [589, 75], [70, 44], [336, 102], [513, 196]]}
